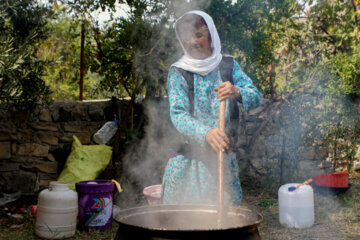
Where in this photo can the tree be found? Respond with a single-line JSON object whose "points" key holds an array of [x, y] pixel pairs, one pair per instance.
{"points": [[22, 26], [318, 48], [61, 50], [246, 31]]}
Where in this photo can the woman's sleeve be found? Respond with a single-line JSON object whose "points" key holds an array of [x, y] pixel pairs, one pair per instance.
{"points": [[250, 95], [179, 108]]}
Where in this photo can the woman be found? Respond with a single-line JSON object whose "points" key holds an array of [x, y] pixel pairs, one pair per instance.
{"points": [[192, 178]]}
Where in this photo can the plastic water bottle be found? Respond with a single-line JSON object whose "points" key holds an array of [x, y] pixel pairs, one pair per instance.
{"points": [[106, 132]]}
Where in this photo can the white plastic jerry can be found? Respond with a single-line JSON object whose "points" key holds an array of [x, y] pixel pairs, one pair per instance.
{"points": [[296, 208]]}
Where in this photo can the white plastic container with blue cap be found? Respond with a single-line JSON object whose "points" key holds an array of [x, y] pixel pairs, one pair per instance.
{"points": [[106, 132], [296, 205]]}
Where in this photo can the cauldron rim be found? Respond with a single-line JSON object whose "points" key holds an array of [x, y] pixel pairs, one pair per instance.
{"points": [[184, 207]]}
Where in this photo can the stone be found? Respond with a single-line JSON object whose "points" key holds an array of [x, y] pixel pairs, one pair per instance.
{"points": [[309, 168], [79, 114], [51, 158], [255, 111], [251, 128], [6, 166], [65, 139], [24, 134], [84, 139], [45, 115], [2, 114], [48, 138], [44, 180], [32, 149], [68, 127], [46, 127], [308, 153], [97, 114], [18, 181], [65, 113], [55, 117], [5, 136], [356, 166], [258, 164], [43, 167], [5, 150]]}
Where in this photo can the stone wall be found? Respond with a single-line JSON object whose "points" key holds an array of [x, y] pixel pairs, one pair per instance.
{"points": [[33, 149], [271, 152]]}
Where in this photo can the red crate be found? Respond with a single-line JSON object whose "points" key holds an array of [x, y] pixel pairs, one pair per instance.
{"points": [[340, 179]]}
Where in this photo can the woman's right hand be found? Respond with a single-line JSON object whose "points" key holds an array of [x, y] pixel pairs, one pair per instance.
{"points": [[217, 139]]}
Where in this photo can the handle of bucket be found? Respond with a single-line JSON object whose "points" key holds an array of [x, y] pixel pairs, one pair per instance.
{"points": [[117, 185]]}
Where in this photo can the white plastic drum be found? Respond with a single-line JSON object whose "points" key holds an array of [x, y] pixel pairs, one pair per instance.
{"points": [[296, 208], [57, 211]]}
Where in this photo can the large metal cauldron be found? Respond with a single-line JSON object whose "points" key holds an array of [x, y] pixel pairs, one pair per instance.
{"points": [[186, 222]]}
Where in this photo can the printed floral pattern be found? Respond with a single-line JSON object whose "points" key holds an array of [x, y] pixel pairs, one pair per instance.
{"points": [[193, 181]]}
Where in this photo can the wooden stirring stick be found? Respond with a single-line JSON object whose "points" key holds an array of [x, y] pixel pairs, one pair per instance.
{"points": [[221, 165]]}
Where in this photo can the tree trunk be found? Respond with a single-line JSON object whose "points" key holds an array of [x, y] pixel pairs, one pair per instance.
{"points": [[82, 61], [282, 160]]}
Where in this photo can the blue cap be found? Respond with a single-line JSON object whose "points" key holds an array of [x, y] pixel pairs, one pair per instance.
{"points": [[292, 188]]}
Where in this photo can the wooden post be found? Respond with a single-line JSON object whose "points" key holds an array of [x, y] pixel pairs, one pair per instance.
{"points": [[82, 61]]}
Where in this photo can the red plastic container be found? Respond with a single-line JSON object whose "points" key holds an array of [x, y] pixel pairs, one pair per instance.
{"points": [[340, 179]]}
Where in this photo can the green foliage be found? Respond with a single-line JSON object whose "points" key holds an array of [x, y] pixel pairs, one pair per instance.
{"points": [[61, 52], [22, 26], [136, 52], [246, 31]]}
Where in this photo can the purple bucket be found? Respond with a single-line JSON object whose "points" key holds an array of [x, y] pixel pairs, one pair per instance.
{"points": [[95, 204]]}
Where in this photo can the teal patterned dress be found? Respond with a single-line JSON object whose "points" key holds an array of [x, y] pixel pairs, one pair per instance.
{"points": [[195, 180]]}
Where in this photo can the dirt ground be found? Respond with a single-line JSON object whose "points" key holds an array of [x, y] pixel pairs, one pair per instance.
{"points": [[337, 217]]}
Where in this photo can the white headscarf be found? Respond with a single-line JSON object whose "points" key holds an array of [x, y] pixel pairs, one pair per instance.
{"points": [[201, 66]]}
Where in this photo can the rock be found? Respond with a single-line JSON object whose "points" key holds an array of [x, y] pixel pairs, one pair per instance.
{"points": [[309, 168], [55, 117], [68, 127], [51, 158], [43, 167], [5, 150], [66, 139], [6, 166], [21, 181], [46, 127], [308, 153], [45, 115], [65, 113], [97, 114], [5, 136], [356, 166], [84, 139], [79, 113], [48, 138], [32, 149]]}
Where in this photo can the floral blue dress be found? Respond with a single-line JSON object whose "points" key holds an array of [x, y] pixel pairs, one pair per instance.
{"points": [[195, 180]]}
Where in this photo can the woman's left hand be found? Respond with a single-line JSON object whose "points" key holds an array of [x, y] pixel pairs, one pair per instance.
{"points": [[227, 90]]}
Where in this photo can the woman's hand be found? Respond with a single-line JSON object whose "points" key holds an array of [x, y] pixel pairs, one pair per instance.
{"points": [[217, 139], [227, 90]]}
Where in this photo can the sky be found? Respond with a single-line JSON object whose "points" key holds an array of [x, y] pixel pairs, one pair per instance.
{"points": [[121, 10]]}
